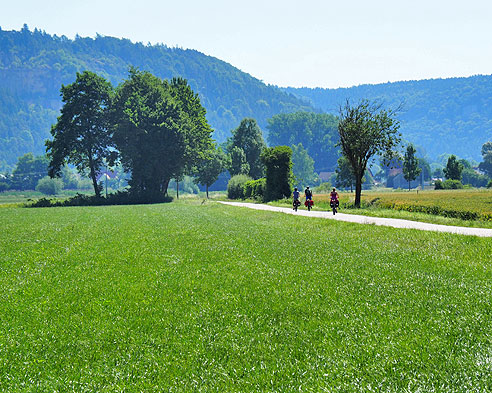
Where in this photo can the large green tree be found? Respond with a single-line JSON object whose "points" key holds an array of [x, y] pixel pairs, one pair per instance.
{"points": [[366, 130], [159, 129], [410, 167], [82, 134], [28, 171], [453, 168], [249, 137]]}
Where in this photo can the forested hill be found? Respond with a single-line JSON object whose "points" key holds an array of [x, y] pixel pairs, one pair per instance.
{"points": [[441, 115], [34, 65]]}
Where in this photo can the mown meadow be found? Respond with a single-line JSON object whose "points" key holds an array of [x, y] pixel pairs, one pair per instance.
{"points": [[191, 296]]}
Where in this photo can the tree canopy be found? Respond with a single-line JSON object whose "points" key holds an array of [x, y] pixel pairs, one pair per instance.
{"points": [[453, 168], [411, 167], [81, 136], [28, 171], [159, 130], [249, 138], [208, 170]]}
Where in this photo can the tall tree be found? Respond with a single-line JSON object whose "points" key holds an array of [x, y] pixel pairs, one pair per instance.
{"points": [[486, 164], [411, 167], [366, 130], [279, 177], [81, 135], [302, 166], [249, 137], [159, 130], [208, 171], [453, 168]]}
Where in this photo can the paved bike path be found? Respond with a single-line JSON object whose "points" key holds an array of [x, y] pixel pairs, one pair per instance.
{"points": [[389, 222]]}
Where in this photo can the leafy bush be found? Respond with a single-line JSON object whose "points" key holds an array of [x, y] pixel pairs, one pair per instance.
{"points": [[49, 186], [489, 185], [448, 185], [235, 187], [255, 188], [452, 184]]}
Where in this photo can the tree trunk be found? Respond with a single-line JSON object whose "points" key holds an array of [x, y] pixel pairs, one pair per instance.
{"points": [[94, 178], [165, 184], [358, 190], [207, 189], [177, 189], [409, 185]]}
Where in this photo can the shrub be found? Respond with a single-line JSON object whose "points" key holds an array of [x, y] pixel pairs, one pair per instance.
{"points": [[448, 185], [254, 188], [451, 184], [489, 185], [235, 187], [49, 186]]}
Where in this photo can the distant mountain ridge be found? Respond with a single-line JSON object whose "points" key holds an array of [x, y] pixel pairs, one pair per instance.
{"points": [[34, 65], [440, 115], [451, 115]]}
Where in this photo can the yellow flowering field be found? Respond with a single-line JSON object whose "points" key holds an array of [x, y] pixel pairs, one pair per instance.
{"points": [[463, 204]]}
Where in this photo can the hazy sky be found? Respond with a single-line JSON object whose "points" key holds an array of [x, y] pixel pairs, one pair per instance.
{"points": [[315, 43]]}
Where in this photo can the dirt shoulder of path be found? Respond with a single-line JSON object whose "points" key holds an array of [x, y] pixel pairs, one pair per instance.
{"points": [[389, 222]]}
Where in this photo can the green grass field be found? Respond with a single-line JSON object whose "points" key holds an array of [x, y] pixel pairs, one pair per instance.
{"points": [[186, 297]]}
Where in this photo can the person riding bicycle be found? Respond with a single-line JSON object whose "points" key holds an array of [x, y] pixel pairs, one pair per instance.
{"points": [[296, 196], [308, 194], [334, 197]]}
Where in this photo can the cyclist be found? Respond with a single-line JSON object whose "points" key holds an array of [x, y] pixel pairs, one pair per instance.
{"points": [[308, 194], [296, 196], [334, 198]]}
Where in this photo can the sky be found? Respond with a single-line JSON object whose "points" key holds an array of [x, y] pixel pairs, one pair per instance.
{"points": [[311, 43]]}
